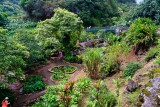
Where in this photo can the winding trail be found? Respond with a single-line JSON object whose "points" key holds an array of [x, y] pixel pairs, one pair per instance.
{"points": [[23, 100]]}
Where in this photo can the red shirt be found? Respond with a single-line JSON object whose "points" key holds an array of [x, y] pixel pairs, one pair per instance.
{"points": [[4, 103]]}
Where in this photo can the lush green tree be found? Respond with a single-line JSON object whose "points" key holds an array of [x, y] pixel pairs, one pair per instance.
{"points": [[149, 9], [40, 9], [63, 28], [94, 12], [142, 34], [11, 61], [27, 38]]}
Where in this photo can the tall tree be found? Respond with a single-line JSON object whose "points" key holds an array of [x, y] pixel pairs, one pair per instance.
{"points": [[11, 59], [63, 28], [149, 9]]}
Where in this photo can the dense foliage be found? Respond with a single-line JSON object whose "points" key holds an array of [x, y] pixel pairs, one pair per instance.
{"points": [[3, 20], [63, 95], [36, 53], [63, 28], [142, 34], [32, 84], [12, 59], [126, 1], [149, 9], [92, 12]]}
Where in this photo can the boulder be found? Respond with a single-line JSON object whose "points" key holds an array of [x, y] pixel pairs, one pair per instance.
{"points": [[131, 86], [151, 94]]}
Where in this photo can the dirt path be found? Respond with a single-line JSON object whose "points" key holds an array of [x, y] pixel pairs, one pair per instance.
{"points": [[24, 100]]}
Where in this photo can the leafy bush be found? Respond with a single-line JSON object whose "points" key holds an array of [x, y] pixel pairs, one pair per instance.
{"points": [[83, 84], [149, 9], [7, 93], [131, 68], [111, 61], [100, 96], [60, 95], [142, 34], [152, 53], [32, 84]]}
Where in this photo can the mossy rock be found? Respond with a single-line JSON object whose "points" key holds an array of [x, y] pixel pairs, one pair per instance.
{"points": [[146, 92]]}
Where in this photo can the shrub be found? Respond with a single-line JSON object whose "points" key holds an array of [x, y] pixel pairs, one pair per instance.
{"points": [[100, 96], [83, 84], [142, 34], [131, 68], [92, 59], [61, 95], [152, 53], [111, 62], [7, 93], [32, 84]]}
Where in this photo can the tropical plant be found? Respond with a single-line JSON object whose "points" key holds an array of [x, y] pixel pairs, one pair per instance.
{"points": [[100, 96], [63, 95], [83, 84], [92, 59], [142, 34]]}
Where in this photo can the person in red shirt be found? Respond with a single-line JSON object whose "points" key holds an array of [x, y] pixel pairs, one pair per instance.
{"points": [[5, 102]]}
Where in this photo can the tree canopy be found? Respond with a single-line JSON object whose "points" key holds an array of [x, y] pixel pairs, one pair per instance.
{"points": [[11, 61], [62, 30], [92, 12], [149, 9]]}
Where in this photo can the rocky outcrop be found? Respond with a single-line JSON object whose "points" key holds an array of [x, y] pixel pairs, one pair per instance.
{"points": [[151, 94]]}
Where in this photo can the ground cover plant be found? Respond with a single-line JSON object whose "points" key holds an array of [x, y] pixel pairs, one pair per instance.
{"points": [[33, 84]]}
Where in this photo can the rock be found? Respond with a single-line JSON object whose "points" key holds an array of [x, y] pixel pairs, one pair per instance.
{"points": [[151, 94], [131, 86]]}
